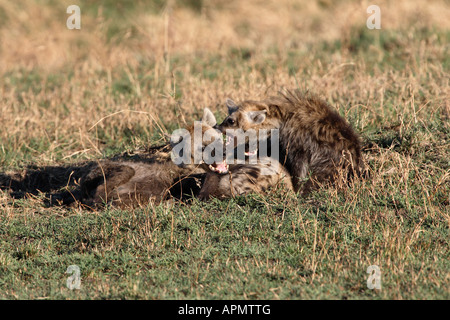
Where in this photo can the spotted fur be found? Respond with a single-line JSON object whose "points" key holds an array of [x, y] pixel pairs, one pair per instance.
{"points": [[240, 179], [243, 179], [132, 184], [316, 143]]}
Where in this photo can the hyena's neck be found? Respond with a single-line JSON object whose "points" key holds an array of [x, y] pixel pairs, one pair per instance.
{"points": [[278, 148], [294, 150]]}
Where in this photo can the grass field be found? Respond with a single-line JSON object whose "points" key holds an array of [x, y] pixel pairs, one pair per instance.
{"points": [[139, 69]]}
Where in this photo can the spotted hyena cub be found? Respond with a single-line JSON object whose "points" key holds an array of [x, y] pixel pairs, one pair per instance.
{"points": [[223, 179], [137, 183], [316, 144]]}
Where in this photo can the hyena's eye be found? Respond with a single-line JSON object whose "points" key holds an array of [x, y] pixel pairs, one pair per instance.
{"points": [[230, 121]]}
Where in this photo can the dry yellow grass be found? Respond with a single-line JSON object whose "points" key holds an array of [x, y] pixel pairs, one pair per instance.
{"points": [[35, 41], [132, 72]]}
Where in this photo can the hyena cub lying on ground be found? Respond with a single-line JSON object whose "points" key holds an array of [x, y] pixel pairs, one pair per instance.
{"points": [[226, 180], [133, 183], [316, 145], [125, 180]]}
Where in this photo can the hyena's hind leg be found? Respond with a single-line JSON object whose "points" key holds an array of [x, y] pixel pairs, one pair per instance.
{"points": [[98, 185], [339, 176], [210, 186], [315, 181]]}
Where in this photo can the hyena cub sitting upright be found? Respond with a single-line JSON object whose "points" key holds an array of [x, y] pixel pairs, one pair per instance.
{"points": [[224, 180], [316, 145]]}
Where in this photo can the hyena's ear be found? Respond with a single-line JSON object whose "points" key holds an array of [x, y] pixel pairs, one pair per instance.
{"points": [[208, 118], [256, 117], [232, 107], [176, 137], [180, 135]]}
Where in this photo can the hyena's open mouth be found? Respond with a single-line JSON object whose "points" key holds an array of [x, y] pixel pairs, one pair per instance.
{"points": [[231, 138], [221, 168]]}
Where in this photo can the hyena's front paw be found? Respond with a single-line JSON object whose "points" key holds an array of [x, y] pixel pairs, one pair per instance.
{"points": [[204, 196]]}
